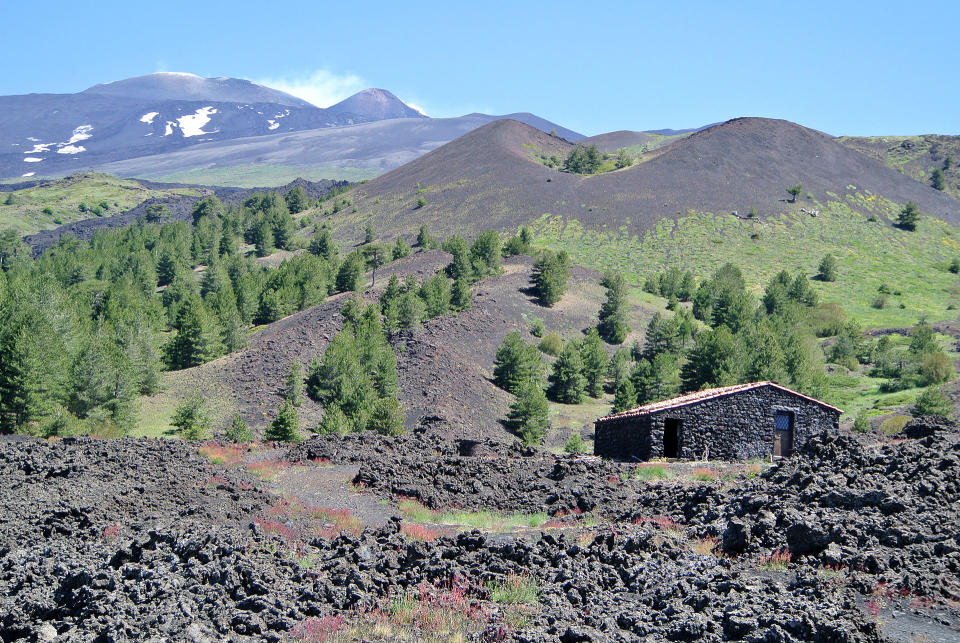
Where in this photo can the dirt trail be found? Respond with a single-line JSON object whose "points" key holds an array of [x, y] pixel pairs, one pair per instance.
{"points": [[329, 487]]}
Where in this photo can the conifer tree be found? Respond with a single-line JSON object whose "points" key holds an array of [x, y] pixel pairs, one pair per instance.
{"points": [[613, 326], [401, 249], [530, 412], [286, 426], [516, 362], [238, 431], [192, 418], [595, 362], [567, 382], [550, 273], [460, 296], [293, 384]]}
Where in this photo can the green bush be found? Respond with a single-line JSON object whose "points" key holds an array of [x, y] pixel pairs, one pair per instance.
{"points": [[575, 444], [894, 424], [552, 344], [933, 402]]}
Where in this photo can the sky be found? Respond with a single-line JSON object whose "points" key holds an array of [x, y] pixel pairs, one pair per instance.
{"points": [[846, 68]]}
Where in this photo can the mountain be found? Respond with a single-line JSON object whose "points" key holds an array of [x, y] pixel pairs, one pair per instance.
{"points": [[178, 86], [495, 177], [376, 105], [170, 123]]}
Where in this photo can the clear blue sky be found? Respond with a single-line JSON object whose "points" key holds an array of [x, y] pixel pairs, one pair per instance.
{"points": [[843, 67]]}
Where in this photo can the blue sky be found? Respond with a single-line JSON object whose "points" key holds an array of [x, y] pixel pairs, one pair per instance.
{"points": [[842, 67]]}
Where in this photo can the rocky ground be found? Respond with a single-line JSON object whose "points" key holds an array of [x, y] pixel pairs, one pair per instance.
{"points": [[145, 539]]}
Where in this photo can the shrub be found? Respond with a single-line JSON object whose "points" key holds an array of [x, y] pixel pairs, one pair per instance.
{"points": [[879, 302], [552, 344], [192, 419], [421, 202], [537, 327], [935, 368], [238, 431], [828, 268], [894, 424], [932, 402], [574, 444], [861, 424], [777, 561], [515, 589], [648, 472]]}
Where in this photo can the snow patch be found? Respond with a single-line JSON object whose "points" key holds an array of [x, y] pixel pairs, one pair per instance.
{"points": [[150, 134], [273, 124], [39, 147], [71, 149], [192, 124], [32, 159], [169, 129], [28, 174], [148, 117], [81, 133], [33, 139]]}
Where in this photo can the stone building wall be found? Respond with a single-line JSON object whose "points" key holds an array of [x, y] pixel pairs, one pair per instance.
{"points": [[737, 426]]}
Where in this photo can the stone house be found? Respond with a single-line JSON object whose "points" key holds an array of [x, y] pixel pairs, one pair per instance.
{"points": [[738, 422]]}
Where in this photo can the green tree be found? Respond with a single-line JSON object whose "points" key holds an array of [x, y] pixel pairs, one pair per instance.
{"points": [[567, 382], [197, 340], [435, 293], [936, 179], [485, 254], [460, 296], [955, 265], [623, 159], [192, 419], [293, 384], [574, 444], [156, 212], [323, 245], [424, 239], [794, 192], [828, 268], [459, 267], [595, 362], [550, 274], [263, 238], [515, 362], [401, 249], [387, 417], [286, 426], [368, 234], [530, 412], [209, 206], [297, 199], [932, 402], [12, 248], [350, 275], [376, 258], [238, 431], [583, 160], [909, 216], [713, 360], [624, 396], [613, 325]]}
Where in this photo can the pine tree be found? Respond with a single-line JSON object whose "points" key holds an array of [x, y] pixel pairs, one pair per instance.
{"points": [[350, 275], [828, 268], [192, 418], [424, 240], [936, 179], [263, 238], [197, 340], [613, 326], [387, 417], [516, 362], [286, 426], [293, 384], [530, 412], [435, 293], [460, 296], [238, 431], [459, 267], [401, 249], [368, 234], [932, 402], [595, 362], [574, 444], [297, 199], [323, 245], [909, 216], [624, 396], [566, 380], [794, 192], [550, 273], [485, 254]]}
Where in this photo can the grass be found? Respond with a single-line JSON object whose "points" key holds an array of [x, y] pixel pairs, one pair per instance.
{"points": [[704, 474], [868, 253], [515, 589], [647, 471], [267, 470], [61, 199], [705, 546], [487, 520], [224, 454], [261, 175], [777, 561]]}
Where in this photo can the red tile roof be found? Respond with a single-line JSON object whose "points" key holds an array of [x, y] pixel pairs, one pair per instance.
{"points": [[706, 394]]}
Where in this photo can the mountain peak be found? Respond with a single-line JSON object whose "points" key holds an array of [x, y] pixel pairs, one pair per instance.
{"points": [[377, 104], [172, 85]]}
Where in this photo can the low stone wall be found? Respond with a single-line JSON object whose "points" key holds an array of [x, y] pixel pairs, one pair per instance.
{"points": [[738, 426]]}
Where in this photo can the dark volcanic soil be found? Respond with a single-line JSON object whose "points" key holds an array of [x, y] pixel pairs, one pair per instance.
{"points": [[142, 539]]}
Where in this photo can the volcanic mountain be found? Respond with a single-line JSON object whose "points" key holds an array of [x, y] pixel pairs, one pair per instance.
{"points": [[498, 177], [178, 86], [376, 105]]}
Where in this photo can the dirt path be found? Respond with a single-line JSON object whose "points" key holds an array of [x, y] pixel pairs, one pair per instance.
{"points": [[329, 487]]}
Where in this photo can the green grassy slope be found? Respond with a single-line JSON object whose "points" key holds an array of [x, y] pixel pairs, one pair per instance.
{"points": [[62, 198], [915, 156], [870, 254]]}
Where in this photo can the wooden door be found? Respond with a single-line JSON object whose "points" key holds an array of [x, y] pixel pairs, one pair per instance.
{"points": [[782, 434]]}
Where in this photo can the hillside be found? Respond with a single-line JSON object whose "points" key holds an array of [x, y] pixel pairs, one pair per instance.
{"points": [[51, 204], [492, 178], [915, 156], [633, 142]]}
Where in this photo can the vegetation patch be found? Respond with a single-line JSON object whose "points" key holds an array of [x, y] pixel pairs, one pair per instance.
{"points": [[487, 520]]}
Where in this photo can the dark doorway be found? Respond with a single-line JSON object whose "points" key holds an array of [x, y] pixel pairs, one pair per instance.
{"points": [[671, 438], [782, 434]]}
